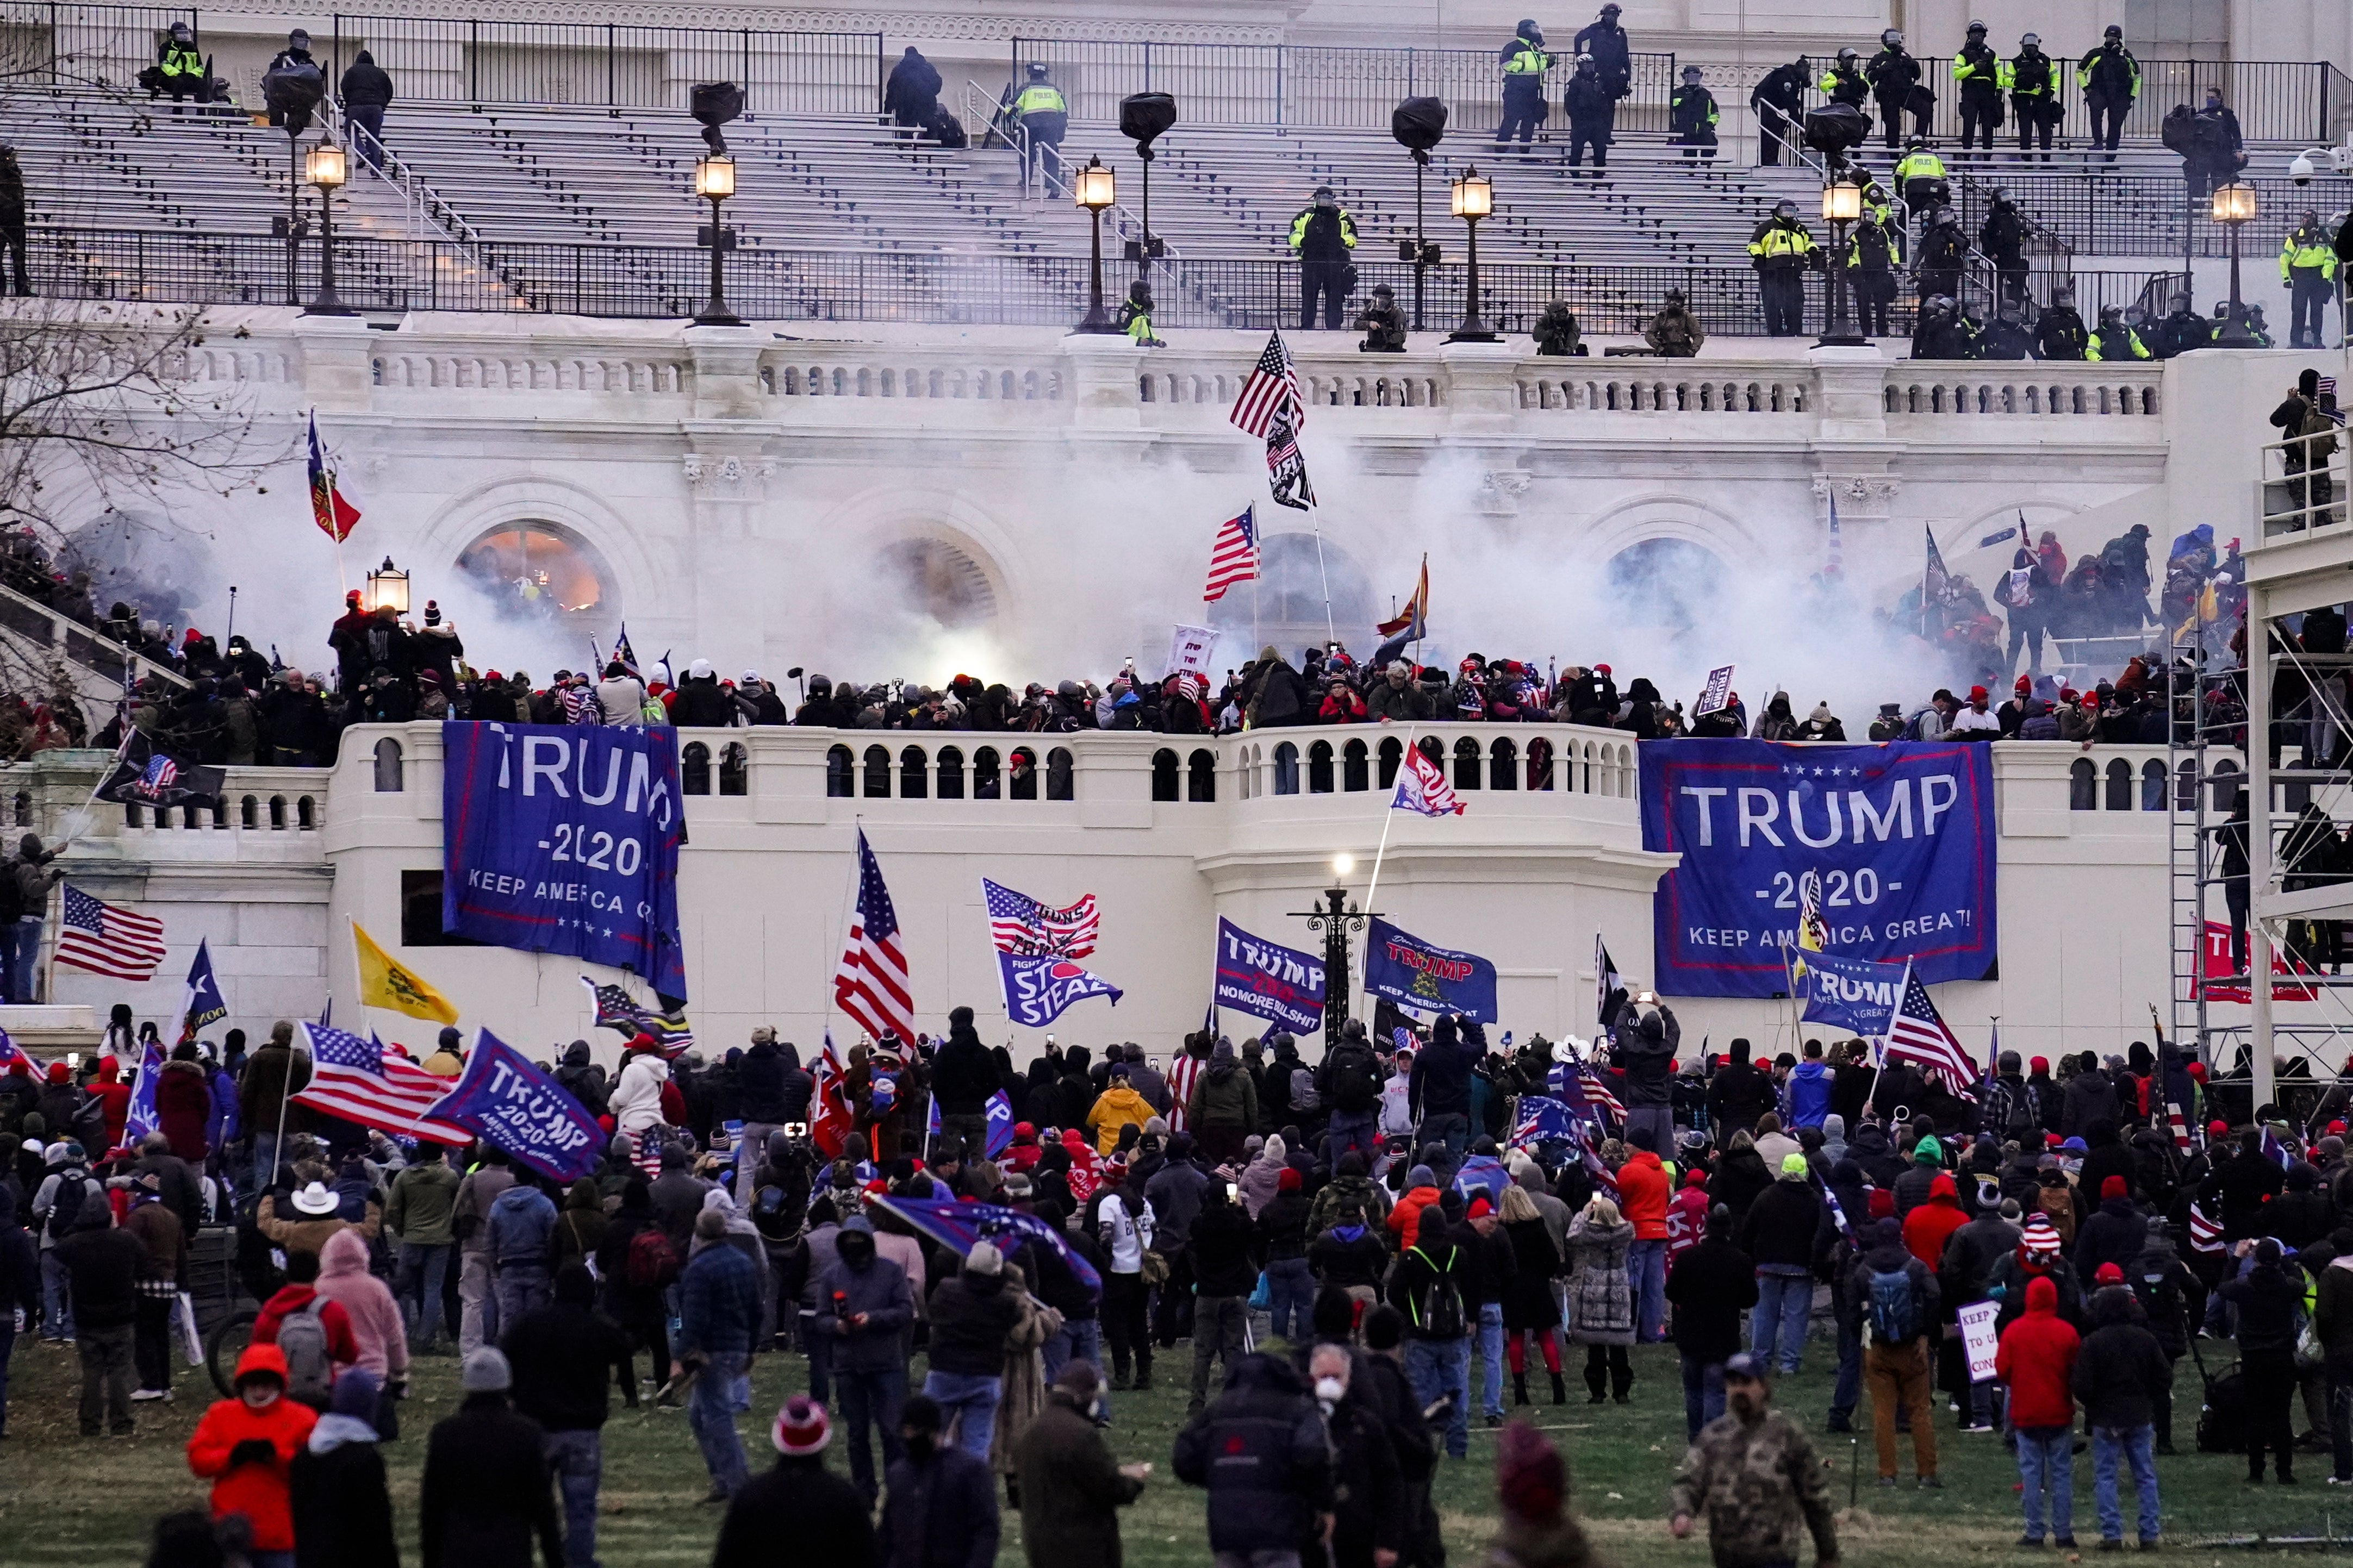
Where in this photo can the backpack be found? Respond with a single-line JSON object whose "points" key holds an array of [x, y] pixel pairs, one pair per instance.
{"points": [[1439, 1315], [1356, 1088], [2021, 1120], [1303, 1097], [2180, 129], [651, 1262], [302, 1340], [65, 1203], [946, 129], [1892, 1320], [2222, 1419]]}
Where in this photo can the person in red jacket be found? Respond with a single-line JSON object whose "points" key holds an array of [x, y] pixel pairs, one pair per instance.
{"points": [[183, 1103], [115, 1095], [1929, 1226], [1687, 1216], [2035, 1360], [1642, 1192], [244, 1446], [297, 1294]]}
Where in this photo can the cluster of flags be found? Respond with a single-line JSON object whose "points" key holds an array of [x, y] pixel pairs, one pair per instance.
{"points": [[1270, 406], [870, 984]]}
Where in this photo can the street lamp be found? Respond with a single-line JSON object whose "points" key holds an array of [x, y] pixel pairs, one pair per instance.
{"points": [[1471, 197], [1842, 204], [714, 182], [2234, 209], [1094, 189], [1335, 919], [388, 585], [326, 168]]}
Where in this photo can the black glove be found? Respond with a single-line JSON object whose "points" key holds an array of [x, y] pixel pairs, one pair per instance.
{"points": [[253, 1451]]}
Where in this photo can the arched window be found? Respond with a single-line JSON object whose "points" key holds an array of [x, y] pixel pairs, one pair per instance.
{"points": [[306, 812], [248, 813], [2185, 786], [24, 808], [1025, 774], [192, 817], [219, 812], [1355, 768], [985, 782], [132, 816], [1392, 758], [1319, 768], [1540, 764], [541, 572], [2120, 782], [1058, 774], [914, 769], [1503, 765], [1201, 776], [387, 769], [2152, 785], [2082, 785], [734, 769], [276, 814], [840, 768], [878, 772], [694, 768], [1286, 769], [1163, 776], [951, 773], [1466, 764], [2226, 784]]}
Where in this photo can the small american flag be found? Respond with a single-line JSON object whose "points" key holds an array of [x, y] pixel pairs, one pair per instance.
{"points": [[160, 775], [358, 1080], [870, 985], [1233, 558], [1183, 1073], [109, 940], [1597, 1092], [2205, 1235], [1422, 788], [1286, 470], [1919, 1035], [1019, 924], [2179, 1125], [1272, 386]]}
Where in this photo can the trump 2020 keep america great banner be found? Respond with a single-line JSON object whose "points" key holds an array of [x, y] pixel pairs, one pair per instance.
{"points": [[1900, 837], [562, 838]]}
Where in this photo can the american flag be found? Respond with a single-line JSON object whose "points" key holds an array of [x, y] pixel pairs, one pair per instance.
{"points": [[1183, 1073], [360, 1081], [160, 775], [2180, 1126], [1286, 470], [2205, 1235], [1019, 924], [1233, 558], [1272, 386], [1597, 1092], [872, 984], [109, 940], [618, 1010], [1541, 1118], [1422, 788], [1918, 1034]]}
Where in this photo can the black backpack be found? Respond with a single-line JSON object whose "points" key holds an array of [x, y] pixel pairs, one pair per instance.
{"points": [[946, 129], [1438, 1313], [2180, 129], [1355, 1087], [2222, 1422], [65, 1204]]}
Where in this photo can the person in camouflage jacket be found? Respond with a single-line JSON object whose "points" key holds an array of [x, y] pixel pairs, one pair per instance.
{"points": [[1755, 1478]]}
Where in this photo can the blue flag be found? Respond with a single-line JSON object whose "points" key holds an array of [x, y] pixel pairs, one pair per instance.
{"points": [[999, 1112], [1482, 1172], [140, 1118], [1281, 984], [956, 1225], [1542, 1120], [1407, 970], [509, 1102], [1852, 993], [1038, 987], [201, 1006]]}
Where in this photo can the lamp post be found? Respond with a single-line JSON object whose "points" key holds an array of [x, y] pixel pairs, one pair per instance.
{"points": [[2234, 209], [1842, 204], [327, 169], [1335, 919], [388, 585], [714, 182], [1094, 189], [1470, 198]]}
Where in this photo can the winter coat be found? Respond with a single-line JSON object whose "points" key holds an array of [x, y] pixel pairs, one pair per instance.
{"points": [[719, 1300], [1811, 1084], [1972, 1253], [104, 1263], [1711, 1286], [941, 1512], [1646, 1054], [564, 1356], [1259, 1450], [486, 1492], [2120, 1374], [1071, 1492], [1642, 1195], [518, 1228], [341, 1505], [971, 1316], [799, 1502], [1758, 1486], [2036, 1358], [881, 1291], [1528, 1299], [257, 1490], [367, 1302], [1223, 1096], [2114, 1235], [1117, 1107], [306, 1234], [1927, 1227], [1600, 1296], [2090, 1096], [264, 1085], [184, 1105], [1740, 1179], [1221, 1251], [1021, 1388], [2268, 1307], [1779, 1226], [365, 85], [635, 1101]]}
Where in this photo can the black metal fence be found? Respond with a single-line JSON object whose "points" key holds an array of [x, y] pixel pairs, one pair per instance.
{"points": [[2144, 215], [68, 46], [1308, 85], [610, 64]]}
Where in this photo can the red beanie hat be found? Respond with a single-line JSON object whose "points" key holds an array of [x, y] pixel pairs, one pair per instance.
{"points": [[2113, 1187], [1531, 1481], [1882, 1204], [2218, 1128], [1480, 1208], [2039, 1064], [2197, 1071], [1288, 1181], [1694, 1178]]}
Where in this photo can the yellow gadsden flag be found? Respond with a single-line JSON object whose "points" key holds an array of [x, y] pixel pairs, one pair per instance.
{"points": [[385, 983]]}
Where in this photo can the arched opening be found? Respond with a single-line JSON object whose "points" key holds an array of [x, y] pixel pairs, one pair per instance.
{"points": [[1058, 774], [305, 812], [1025, 774], [2226, 784], [914, 773], [1355, 768], [951, 773], [2152, 785], [387, 767], [248, 813], [1163, 776], [219, 812], [1319, 768], [1201, 776], [1392, 758], [1540, 764], [2185, 786], [838, 767], [735, 770], [276, 814], [1503, 765], [1668, 582], [1286, 603], [2082, 785], [985, 783], [193, 815], [1286, 769], [931, 581], [542, 574], [2120, 783], [694, 768], [878, 772], [1466, 764]]}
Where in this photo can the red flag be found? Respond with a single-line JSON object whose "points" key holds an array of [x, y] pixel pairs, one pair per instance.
{"points": [[830, 1117]]}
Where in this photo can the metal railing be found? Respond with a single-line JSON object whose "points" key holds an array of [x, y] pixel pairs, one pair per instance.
{"points": [[2143, 215], [1310, 85], [72, 45], [610, 64]]}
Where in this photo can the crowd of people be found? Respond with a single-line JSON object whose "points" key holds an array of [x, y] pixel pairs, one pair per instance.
{"points": [[1419, 1233]]}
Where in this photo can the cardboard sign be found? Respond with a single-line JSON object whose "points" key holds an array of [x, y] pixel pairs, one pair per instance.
{"points": [[1979, 1339]]}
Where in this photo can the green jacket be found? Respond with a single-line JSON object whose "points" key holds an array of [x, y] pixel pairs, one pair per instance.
{"points": [[1758, 1487], [1040, 99], [179, 60], [1223, 1096], [1362, 1191], [2309, 249], [423, 1205]]}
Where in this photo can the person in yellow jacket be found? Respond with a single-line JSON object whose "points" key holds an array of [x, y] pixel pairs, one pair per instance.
{"points": [[1322, 235], [1135, 317], [1044, 116], [1843, 82], [1781, 250], [1979, 75], [1524, 63], [2308, 271], [2037, 86], [2110, 78], [2114, 339], [182, 69], [1117, 1107]]}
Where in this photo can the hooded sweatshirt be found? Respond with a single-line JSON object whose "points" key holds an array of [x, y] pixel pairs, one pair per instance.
{"points": [[1117, 1107], [1929, 1226], [1810, 1087], [368, 1303], [518, 1226], [257, 1490], [2037, 1358]]}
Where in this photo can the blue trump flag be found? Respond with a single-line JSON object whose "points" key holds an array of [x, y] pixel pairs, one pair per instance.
{"points": [[563, 839], [1416, 974], [1900, 835], [1852, 993], [1482, 1174], [1281, 984], [507, 1102], [956, 1225], [1038, 987], [201, 1004], [140, 1118], [999, 1112]]}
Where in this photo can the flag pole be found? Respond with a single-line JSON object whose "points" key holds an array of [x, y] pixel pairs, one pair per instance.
{"points": [[1330, 635], [1389, 815]]}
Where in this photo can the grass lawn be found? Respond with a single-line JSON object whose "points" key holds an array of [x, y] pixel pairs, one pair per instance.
{"points": [[66, 1499]]}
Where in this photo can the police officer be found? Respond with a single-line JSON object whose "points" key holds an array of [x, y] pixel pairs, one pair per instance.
{"points": [[296, 55], [1135, 317], [1942, 331], [2002, 236], [1591, 111], [1920, 176], [1979, 74], [1781, 250], [1779, 101], [1843, 83], [1870, 258], [1044, 116], [1894, 79], [1943, 251], [2059, 332], [1692, 115], [2183, 329], [2110, 79], [1525, 63], [1322, 235], [2114, 339], [1382, 323], [182, 68], [2308, 271], [2217, 151], [2006, 337], [2037, 92], [1612, 52]]}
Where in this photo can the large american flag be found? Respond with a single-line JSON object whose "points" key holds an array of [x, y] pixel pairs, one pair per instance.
{"points": [[109, 940], [1274, 384], [360, 1081], [1019, 924], [871, 985], [1233, 558], [1918, 1034]]}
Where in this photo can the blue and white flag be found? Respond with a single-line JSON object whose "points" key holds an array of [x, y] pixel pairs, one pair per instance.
{"points": [[1482, 1174], [1852, 993], [1038, 988], [931, 1121], [1266, 980], [2275, 1152], [140, 1118], [1422, 788], [508, 1102], [1544, 1120], [999, 1112], [201, 1005], [1416, 974], [956, 1225]]}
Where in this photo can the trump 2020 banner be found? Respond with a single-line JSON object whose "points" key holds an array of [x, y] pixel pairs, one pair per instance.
{"points": [[1902, 836], [1851, 993], [1279, 984], [1421, 975], [563, 839], [510, 1104]]}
